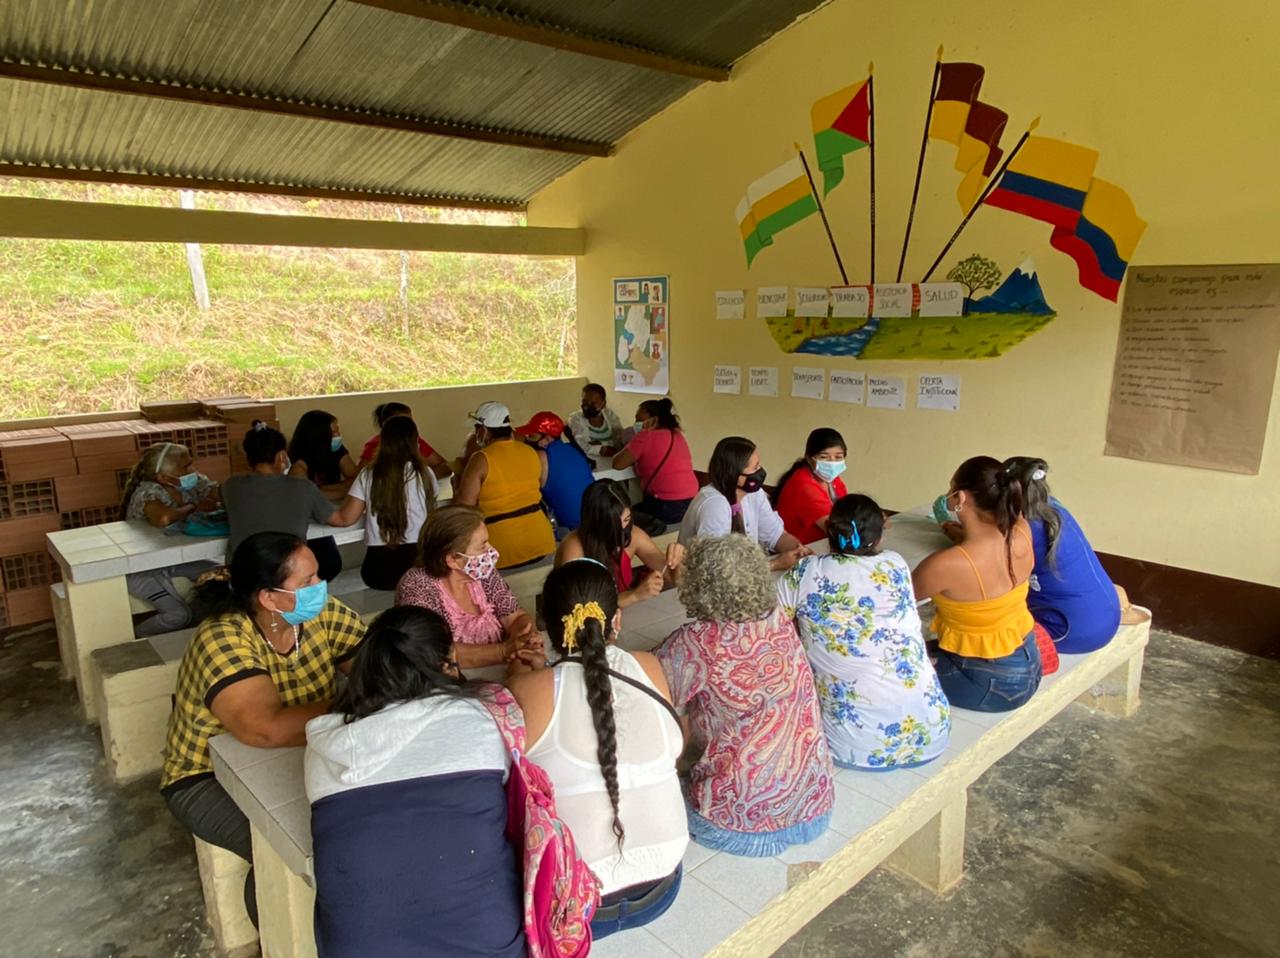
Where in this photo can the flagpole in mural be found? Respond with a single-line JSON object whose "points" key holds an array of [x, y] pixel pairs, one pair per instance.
{"points": [[823, 213], [924, 145], [995, 179], [871, 111]]}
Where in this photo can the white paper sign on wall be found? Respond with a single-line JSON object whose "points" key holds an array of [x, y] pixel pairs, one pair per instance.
{"points": [[731, 303], [727, 379], [771, 301], [807, 382], [850, 301], [941, 299], [812, 300], [938, 392], [763, 381], [886, 392], [891, 299], [847, 387]]}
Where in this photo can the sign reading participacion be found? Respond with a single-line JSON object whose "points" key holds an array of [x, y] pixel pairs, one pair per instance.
{"points": [[847, 387]]}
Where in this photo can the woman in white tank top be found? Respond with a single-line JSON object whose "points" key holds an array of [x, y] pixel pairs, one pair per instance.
{"points": [[609, 746]]}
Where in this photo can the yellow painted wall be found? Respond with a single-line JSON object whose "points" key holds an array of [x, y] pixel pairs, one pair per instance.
{"points": [[1178, 97]]}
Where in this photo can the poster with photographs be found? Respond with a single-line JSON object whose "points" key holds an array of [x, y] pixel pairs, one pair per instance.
{"points": [[642, 334]]}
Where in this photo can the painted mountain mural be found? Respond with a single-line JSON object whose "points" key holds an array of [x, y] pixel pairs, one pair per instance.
{"points": [[991, 326]]}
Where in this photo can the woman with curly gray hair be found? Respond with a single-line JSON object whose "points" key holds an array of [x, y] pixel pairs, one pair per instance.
{"points": [[739, 672]]}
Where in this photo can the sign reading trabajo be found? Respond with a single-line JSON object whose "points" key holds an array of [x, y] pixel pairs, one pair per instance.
{"points": [[1195, 366]]}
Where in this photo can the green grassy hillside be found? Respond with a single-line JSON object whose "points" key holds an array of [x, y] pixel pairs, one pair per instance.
{"points": [[102, 326]]}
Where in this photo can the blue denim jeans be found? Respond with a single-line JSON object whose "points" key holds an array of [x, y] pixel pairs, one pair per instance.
{"points": [[991, 685], [633, 914]]}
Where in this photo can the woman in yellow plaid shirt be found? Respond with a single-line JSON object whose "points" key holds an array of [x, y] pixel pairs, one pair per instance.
{"points": [[262, 666]]}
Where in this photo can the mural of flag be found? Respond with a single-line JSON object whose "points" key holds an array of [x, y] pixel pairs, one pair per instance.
{"points": [[841, 125], [957, 88], [1103, 238], [1046, 180], [973, 127], [979, 152], [779, 199]]}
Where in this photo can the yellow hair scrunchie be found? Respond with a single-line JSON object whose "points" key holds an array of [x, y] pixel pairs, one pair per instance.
{"points": [[576, 619]]}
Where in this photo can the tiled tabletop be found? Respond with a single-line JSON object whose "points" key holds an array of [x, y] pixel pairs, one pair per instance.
{"points": [[117, 548]]}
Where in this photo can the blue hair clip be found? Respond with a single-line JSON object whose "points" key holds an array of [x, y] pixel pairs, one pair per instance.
{"points": [[850, 542]]}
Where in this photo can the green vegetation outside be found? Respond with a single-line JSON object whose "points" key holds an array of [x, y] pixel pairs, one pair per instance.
{"points": [[92, 326]]}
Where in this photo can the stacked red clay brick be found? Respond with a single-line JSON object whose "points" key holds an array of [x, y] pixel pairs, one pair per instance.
{"points": [[68, 477]]}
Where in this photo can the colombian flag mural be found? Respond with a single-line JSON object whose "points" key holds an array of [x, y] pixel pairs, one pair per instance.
{"points": [[1103, 238], [1046, 180]]}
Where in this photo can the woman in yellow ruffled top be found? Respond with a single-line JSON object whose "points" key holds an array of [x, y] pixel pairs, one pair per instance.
{"points": [[988, 660]]}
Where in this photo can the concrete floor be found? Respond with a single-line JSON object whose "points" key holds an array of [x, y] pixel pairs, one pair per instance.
{"points": [[1157, 835]]}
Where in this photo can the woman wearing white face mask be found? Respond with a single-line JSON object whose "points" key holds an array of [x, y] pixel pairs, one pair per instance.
{"points": [[163, 489], [261, 666], [807, 490], [456, 577]]}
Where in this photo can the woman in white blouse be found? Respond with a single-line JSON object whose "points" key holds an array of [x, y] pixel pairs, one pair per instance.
{"points": [[735, 501]]}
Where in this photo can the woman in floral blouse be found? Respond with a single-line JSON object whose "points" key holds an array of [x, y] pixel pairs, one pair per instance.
{"points": [[738, 671], [882, 706]]}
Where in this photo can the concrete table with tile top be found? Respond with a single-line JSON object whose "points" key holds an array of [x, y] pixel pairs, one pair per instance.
{"points": [[911, 819], [94, 562]]}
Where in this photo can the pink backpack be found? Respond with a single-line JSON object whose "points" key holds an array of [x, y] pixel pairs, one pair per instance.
{"points": [[561, 893]]}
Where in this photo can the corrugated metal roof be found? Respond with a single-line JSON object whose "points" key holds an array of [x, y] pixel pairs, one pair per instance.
{"points": [[338, 53]]}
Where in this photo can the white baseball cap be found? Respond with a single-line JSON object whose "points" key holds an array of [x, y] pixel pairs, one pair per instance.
{"points": [[492, 415]]}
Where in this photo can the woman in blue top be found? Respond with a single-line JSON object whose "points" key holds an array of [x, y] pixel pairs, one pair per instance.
{"points": [[1071, 594]]}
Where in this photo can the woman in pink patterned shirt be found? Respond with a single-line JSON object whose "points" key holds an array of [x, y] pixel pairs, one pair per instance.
{"points": [[739, 672], [456, 577]]}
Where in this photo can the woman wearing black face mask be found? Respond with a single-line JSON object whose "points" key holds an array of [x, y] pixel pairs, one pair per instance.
{"points": [[735, 501], [608, 537], [595, 427]]}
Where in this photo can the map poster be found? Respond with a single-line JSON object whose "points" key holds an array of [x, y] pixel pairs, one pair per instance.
{"points": [[642, 334], [1195, 366]]}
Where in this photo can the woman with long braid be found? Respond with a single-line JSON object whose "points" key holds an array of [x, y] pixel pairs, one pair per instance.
{"points": [[600, 724]]}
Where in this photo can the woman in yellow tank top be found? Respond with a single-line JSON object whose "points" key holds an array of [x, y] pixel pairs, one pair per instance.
{"points": [[987, 655], [504, 480]]}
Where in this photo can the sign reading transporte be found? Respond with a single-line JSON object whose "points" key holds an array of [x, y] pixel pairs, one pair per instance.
{"points": [[1195, 366]]}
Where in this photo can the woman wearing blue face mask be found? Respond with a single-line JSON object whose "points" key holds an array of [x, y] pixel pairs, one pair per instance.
{"points": [[164, 488], [807, 490], [261, 666], [317, 452]]}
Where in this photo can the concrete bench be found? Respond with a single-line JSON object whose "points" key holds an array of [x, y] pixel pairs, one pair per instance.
{"points": [[910, 819], [222, 877], [132, 687]]}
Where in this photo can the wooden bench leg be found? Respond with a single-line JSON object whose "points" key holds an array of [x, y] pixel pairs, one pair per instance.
{"points": [[286, 905], [222, 880], [1117, 693], [934, 856]]}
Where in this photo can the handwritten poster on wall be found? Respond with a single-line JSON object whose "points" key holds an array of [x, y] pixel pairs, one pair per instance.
{"points": [[847, 387], [938, 391], [726, 379], [808, 382], [886, 392], [1195, 366], [763, 381], [731, 303], [642, 334]]}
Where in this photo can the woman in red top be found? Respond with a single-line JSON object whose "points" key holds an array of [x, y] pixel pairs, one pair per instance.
{"points": [[805, 493], [390, 410]]}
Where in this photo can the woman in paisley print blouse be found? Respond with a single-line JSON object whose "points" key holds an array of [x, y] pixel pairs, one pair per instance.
{"points": [[882, 706], [738, 671]]}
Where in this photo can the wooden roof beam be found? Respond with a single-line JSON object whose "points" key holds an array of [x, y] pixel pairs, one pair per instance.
{"points": [[269, 189], [85, 79], [547, 35], [69, 219]]}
